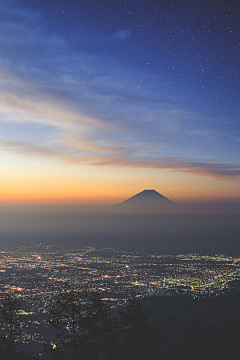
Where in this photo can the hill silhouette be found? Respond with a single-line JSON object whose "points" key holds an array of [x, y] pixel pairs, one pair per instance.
{"points": [[147, 201], [197, 329], [213, 309], [195, 339]]}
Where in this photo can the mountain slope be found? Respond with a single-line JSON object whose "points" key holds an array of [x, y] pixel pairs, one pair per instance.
{"points": [[146, 201]]}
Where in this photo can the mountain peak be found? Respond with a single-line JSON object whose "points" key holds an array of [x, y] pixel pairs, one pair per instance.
{"points": [[146, 201]]}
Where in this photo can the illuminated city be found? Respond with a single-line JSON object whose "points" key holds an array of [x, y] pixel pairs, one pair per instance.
{"points": [[120, 174], [36, 272]]}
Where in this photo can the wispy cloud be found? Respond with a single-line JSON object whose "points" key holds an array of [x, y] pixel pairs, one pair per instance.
{"points": [[99, 113], [122, 158], [21, 109], [214, 170], [123, 34]]}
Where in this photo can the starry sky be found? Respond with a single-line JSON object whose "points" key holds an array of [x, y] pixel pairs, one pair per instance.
{"points": [[100, 100]]}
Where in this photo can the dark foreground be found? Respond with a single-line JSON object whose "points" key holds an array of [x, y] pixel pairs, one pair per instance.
{"points": [[84, 327]]}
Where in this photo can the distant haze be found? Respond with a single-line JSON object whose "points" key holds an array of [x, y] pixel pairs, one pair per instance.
{"points": [[206, 228]]}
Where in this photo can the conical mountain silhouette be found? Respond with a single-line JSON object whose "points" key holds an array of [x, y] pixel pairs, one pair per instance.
{"points": [[146, 201]]}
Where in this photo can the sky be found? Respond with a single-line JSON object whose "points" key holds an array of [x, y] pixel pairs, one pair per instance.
{"points": [[100, 100]]}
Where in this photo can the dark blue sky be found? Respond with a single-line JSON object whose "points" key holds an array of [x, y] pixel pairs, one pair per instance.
{"points": [[136, 84], [194, 43]]}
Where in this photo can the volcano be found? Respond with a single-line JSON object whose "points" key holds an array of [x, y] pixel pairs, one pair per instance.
{"points": [[146, 201]]}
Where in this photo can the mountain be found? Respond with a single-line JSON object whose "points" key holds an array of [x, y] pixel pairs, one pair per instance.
{"points": [[146, 201]]}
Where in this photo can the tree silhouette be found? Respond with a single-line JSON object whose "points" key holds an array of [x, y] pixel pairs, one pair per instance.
{"points": [[85, 329], [139, 337], [12, 321], [99, 327], [66, 317]]}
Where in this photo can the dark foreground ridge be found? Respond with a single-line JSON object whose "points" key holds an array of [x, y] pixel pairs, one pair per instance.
{"points": [[80, 325], [213, 309], [146, 201]]}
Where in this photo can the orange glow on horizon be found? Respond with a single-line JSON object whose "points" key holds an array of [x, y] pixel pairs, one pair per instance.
{"points": [[48, 183], [88, 198]]}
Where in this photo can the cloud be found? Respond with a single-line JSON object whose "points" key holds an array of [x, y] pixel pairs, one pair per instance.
{"points": [[122, 34], [21, 109], [43, 70], [45, 66], [100, 113], [80, 139], [122, 158], [214, 170]]}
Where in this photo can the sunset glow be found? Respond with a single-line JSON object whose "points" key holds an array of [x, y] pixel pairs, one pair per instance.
{"points": [[82, 122]]}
